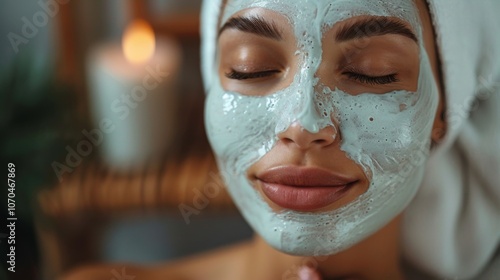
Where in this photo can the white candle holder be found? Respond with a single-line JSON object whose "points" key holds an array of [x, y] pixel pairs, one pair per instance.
{"points": [[134, 104]]}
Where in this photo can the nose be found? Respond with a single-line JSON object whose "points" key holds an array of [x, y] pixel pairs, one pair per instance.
{"points": [[303, 139]]}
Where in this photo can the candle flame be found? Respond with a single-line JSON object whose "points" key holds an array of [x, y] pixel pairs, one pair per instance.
{"points": [[138, 42]]}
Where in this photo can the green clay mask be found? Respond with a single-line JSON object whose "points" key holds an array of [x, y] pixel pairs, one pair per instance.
{"points": [[387, 134]]}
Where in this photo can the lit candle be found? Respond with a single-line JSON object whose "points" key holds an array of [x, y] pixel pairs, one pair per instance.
{"points": [[133, 90]]}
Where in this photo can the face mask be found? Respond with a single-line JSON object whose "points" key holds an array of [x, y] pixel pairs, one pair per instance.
{"points": [[388, 135]]}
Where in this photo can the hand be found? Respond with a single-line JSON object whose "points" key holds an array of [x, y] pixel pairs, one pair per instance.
{"points": [[307, 273]]}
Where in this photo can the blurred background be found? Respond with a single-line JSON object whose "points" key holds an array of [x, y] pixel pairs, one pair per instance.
{"points": [[101, 113]]}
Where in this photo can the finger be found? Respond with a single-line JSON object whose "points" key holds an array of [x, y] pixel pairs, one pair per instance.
{"points": [[307, 273]]}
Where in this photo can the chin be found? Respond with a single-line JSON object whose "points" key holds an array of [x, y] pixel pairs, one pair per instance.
{"points": [[329, 232], [311, 245]]}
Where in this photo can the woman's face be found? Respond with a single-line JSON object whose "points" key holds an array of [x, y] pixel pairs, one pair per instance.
{"points": [[320, 116]]}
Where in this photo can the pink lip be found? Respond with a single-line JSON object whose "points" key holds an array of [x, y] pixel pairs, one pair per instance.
{"points": [[303, 188]]}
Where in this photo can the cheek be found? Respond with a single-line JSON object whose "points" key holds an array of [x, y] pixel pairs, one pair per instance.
{"points": [[381, 131], [240, 128]]}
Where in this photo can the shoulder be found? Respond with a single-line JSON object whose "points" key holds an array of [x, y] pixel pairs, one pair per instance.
{"points": [[107, 271], [223, 263]]}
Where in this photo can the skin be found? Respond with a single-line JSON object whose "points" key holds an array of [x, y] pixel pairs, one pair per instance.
{"points": [[378, 256]]}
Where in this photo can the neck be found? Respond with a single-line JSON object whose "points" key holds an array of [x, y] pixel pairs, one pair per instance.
{"points": [[376, 257]]}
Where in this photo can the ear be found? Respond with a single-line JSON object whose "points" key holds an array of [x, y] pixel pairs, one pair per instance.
{"points": [[439, 127]]}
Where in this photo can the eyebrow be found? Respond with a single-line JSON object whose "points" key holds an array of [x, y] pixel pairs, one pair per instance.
{"points": [[255, 25], [375, 26]]}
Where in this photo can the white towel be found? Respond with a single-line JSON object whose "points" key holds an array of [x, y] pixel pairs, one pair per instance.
{"points": [[452, 227]]}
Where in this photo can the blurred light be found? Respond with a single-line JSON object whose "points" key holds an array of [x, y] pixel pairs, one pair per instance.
{"points": [[138, 42]]}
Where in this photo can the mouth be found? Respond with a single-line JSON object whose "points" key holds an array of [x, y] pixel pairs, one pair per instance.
{"points": [[304, 188]]}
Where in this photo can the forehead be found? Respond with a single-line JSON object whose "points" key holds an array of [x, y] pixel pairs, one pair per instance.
{"points": [[326, 13]]}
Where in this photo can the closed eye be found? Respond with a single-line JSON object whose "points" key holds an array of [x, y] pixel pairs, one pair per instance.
{"points": [[236, 75], [372, 80]]}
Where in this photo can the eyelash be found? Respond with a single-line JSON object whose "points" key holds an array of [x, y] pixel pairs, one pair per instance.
{"points": [[235, 75], [381, 80]]}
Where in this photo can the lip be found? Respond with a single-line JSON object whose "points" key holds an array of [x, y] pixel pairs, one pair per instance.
{"points": [[303, 188]]}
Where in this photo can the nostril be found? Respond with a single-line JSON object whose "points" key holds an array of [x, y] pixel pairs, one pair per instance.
{"points": [[287, 140], [319, 141]]}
